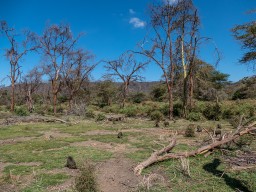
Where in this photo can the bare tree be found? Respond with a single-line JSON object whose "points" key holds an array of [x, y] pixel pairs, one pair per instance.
{"points": [[126, 69], [56, 43], [76, 71], [30, 84], [161, 46], [187, 28], [16, 53]]}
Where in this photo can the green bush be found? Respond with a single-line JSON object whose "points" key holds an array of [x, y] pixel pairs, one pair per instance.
{"points": [[177, 109], [89, 114], [130, 111], [138, 98], [212, 112], [100, 117], [164, 110], [194, 116], [86, 181], [245, 140], [190, 131], [21, 111], [156, 116]]}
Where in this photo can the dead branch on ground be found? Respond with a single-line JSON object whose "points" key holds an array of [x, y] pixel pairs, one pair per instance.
{"points": [[165, 154]]}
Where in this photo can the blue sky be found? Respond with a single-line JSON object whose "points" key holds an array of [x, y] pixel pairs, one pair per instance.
{"points": [[113, 26]]}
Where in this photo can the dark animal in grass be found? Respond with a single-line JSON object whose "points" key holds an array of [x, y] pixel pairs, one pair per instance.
{"points": [[166, 124], [119, 135], [199, 128], [157, 123], [71, 164], [219, 126], [217, 132]]}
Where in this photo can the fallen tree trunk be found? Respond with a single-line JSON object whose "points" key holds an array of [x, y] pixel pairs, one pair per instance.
{"points": [[163, 154], [30, 119]]}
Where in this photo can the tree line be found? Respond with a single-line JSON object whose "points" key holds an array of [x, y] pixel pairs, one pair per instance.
{"points": [[173, 44]]}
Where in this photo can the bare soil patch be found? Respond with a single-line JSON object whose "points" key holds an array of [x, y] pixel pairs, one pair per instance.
{"points": [[15, 140], [116, 175], [112, 147]]}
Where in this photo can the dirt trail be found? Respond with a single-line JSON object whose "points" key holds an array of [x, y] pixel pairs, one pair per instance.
{"points": [[116, 175]]}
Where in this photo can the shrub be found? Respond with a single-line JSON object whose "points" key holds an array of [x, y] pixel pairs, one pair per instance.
{"points": [[100, 117], [177, 109], [194, 116], [245, 140], [90, 113], [130, 111], [138, 97], [228, 113], [165, 110], [190, 131], [86, 181], [213, 112], [21, 111], [156, 116]]}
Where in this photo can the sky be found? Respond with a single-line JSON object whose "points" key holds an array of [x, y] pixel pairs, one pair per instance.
{"points": [[113, 26]]}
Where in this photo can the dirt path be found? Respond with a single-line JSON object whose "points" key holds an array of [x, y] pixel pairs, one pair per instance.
{"points": [[116, 175]]}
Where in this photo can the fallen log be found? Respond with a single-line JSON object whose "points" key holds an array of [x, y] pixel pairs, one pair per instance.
{"points": [[36, 119], [164, 154]]}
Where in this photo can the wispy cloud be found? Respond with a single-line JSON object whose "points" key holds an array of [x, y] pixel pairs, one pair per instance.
{"points": [[131, 11], [137, 23], [171, 2]]}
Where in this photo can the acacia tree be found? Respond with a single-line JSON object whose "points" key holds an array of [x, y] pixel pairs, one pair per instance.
{"points": [[246, 34], [126, 69], [76, 71], [30, 84], [161, 47], [16, 53], [56, 44], [187, 28]]}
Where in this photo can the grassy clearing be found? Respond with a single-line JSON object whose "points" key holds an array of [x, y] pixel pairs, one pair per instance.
{"points": [[52, 153], [43, 181]]}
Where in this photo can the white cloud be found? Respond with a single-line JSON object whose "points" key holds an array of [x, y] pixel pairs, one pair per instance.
{"points": [[171, 2], [137, 23], [131, 11]]}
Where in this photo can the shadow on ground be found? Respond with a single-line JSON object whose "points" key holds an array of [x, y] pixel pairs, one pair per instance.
{"points": [[233, 183]]}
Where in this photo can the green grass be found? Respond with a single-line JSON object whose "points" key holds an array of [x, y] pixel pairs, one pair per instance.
{"points": [[18, 131], [43, 181], [52, 154], [18, 169]]}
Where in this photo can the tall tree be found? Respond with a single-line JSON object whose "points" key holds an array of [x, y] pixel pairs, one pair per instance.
{"points": [[76, 70], [56, 43], [15, 53], [160, 46], [187, 28], [246, 34], [127, 69]]}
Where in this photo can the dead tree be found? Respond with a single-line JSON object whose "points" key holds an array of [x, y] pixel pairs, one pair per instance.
{"points": [[165, 154], [76, 71], [126, 69], [30, 84], [56, 44], [187, 27], [160, 45], [16, 53]]}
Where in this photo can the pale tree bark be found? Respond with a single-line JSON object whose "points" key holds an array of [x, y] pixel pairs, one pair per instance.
{"points": [[164, 153]]}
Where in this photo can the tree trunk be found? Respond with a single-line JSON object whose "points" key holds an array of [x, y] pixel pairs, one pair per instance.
{"points": [[29, 101], [185, 97], [13, 96], [124, 94], [191, 91]]}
